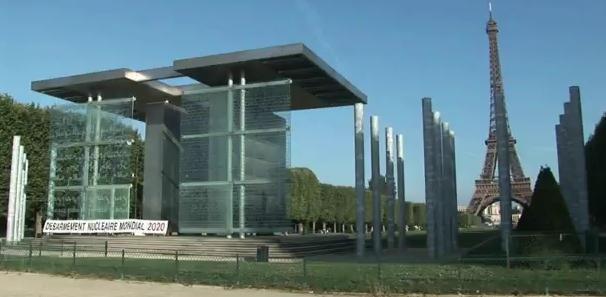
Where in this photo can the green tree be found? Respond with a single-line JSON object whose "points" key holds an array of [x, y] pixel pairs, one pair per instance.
{"points": [[547, 210], [595, 155], [305, 197]]}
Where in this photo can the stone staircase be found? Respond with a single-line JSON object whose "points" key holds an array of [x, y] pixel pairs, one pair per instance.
{"points": [[286, 247]]}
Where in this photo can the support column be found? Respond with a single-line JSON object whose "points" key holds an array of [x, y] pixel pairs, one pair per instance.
{"points": [[376, 196], [389, 177], [97, 138], [52, 168], [242, 205], [84, 213], [401, 192], [504, 170], [161, 163], [430, 172], [359, 167]]}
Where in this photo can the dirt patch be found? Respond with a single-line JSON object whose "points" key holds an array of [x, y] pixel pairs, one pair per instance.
{"points": [[15, 284]]}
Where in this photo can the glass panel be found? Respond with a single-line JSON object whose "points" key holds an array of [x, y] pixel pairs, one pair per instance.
{"points": [[203, 208], [234, 155], [92, 157]]}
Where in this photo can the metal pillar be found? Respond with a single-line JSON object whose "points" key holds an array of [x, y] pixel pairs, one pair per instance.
{"points": [[453, 177], [376, 196], [571, 162], [401, 192], [359, 166], [578, 153], [52, 168], [86, 163], [430, 172], [97, 140], [242, 206], [389, 176], [439, 185], [504, 169], [229, 217]]}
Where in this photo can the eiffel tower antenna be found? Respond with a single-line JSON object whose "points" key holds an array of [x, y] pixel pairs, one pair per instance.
{"points": [[487, 186]]}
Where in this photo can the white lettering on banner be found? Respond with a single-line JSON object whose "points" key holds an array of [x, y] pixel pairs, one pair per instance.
{"points": [[105, 226]]}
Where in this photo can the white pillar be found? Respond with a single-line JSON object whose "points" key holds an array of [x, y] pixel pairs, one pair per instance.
{"points": [[12, 194], [17, 197]]}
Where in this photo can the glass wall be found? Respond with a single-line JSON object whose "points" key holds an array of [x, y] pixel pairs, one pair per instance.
{"points": [[235, 155], [90, 160]]}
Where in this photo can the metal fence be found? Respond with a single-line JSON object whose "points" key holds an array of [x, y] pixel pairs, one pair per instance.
{"points": [[564, 274]]}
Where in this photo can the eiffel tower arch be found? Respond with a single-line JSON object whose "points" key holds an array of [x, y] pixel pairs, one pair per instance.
{"points": [[487, 186]]}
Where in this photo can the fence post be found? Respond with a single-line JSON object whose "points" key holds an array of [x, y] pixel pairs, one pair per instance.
{"points": [[379, 270], [106, 249], [40, 250], [1, 255], [176, 265], [237, 268], [305, 271], [30, 257], [62, 247], [507, 252], [74, 256], [459, 276], [122, 266]]}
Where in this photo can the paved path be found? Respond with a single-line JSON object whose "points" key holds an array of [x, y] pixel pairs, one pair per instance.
{"points": [[13, 284]]}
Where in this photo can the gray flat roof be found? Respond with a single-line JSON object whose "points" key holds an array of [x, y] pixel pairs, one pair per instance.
{"points": [[315, 83]]}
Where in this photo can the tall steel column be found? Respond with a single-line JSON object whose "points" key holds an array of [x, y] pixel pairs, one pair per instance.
{"points": [[430, 172], [242, 205], [453, 176], [571, 162], [376, 196], [504, 169], [401, 192], [229, 219], [439, 185], [391, 195], [446, 188], [52, 173], [578, 153], [359, 166]]}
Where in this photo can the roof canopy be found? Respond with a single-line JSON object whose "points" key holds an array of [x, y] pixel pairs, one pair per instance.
{"points": [[315, 83]]}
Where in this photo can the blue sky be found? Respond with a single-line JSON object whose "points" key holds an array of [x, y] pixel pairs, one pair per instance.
{"points": [[395, 51]]}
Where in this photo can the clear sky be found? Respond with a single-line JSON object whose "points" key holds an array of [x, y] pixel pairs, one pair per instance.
{"points": [[394, 51]]}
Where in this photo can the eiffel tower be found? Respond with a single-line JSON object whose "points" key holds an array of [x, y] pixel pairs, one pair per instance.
{"points": [[487, 186]]}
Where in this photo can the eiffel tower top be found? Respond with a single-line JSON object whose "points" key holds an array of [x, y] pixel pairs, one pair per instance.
{"points": [[491, 26], [496, 80]]}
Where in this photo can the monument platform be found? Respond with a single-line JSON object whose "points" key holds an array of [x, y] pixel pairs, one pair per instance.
{"points": [[280, 247]]}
